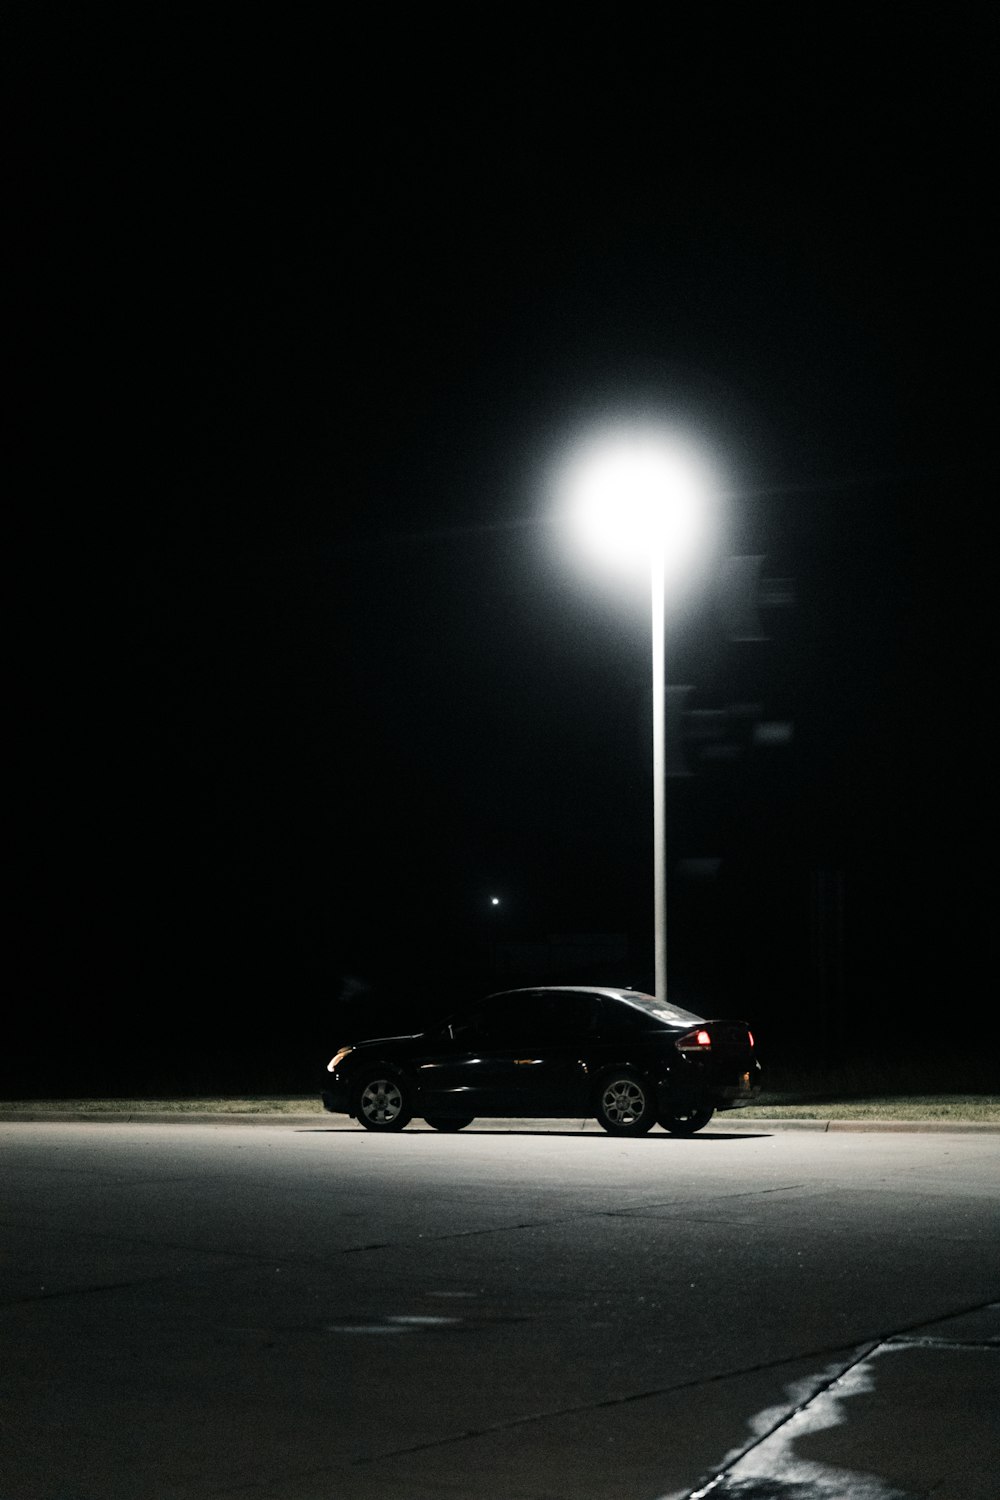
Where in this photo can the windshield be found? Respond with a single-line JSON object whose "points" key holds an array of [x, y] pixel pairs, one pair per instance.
{"points": [[659, 1010]]}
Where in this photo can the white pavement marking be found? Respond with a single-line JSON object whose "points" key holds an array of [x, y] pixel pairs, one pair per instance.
{"points": [[769, 1467]]}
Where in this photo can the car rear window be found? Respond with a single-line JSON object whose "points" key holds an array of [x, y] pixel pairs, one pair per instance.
{"points": [[659, 1010]]}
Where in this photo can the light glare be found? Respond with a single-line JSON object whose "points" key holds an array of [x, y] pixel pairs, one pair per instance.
{"points": [[632, 493]]}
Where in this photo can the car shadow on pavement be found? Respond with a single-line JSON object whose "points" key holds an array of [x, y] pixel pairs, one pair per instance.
{"points": [[654, 1135], [707, 1136]]}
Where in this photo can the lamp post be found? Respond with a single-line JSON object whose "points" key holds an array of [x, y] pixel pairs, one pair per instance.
{"points": [[657, 593], [641, 496]]}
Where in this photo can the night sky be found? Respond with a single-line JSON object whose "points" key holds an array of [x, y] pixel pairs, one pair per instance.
{"points": [[305, 671]]}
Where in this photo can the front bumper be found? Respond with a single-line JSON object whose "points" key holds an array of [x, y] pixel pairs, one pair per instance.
{"points": [[335, 1095]]}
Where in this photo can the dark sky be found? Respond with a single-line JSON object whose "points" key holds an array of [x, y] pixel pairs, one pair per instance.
{"points": [[303, 671]]}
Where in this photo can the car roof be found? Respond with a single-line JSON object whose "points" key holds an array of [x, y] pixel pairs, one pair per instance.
{"points": [[616, 992], [638, 999]]}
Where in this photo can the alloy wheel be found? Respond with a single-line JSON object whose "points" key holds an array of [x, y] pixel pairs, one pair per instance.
{"points": [[381, 1101]]}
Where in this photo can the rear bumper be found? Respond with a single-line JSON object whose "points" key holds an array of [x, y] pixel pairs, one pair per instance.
{"points": [[736, 1098], [700, 1089]]}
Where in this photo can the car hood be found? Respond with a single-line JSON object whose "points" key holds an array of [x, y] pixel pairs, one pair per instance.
{"points": [[387, 1041]]}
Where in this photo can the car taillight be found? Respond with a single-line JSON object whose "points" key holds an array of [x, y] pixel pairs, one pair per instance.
{"points": [[694, 1041], [749, 1036]]}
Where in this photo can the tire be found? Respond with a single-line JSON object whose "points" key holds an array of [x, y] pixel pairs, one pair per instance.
{"points": [[686, 1121], [438, 1122], [624, 1104], [383, 1102]]}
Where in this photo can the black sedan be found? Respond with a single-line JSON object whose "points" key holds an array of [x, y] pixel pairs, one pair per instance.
{"points": [[558, 1053]]}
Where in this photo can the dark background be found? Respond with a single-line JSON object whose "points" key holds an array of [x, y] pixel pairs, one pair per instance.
{"points": [[304, 671]]}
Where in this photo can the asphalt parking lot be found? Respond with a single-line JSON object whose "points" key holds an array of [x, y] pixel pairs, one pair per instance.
{"points": [[305, 1311]]}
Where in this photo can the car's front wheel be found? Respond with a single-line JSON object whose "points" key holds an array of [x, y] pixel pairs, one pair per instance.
{"points": [[625, 1104], [383, 1103], [438, 1122], [685, 1121]]}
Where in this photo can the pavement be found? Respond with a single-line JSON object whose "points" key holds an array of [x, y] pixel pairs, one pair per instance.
{"points": [[909, 1417], [524, 1311], [728, 1122]]}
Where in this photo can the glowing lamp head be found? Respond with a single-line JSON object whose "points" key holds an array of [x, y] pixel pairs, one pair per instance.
{"points": [[636, 493]]}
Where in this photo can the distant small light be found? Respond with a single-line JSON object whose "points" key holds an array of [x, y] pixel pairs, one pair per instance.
{"points": [[494, 900]]}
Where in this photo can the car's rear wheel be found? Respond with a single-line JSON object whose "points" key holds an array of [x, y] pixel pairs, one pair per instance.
{"points": [[685, 1121], [438, 1122], [624, 1104], [383, 1103]]}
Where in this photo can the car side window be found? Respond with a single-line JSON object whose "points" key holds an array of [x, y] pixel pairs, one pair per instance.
{"points": [[495, 1024], [571, 1017], [546, 1018], [468, 1027], [542, 1017], [618, 1019]]}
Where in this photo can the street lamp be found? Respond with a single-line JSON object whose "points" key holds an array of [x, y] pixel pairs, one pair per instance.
{"points": [[644, 496]]}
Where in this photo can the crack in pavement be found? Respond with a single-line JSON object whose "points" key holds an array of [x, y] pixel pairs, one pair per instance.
{"points": [[116, 1179], [648, 1208], [898, 1341], [931, 1343], [862, 1352], [638, 1212], [859, 1351], [93, 1236], [79, 1291], [607, 1403]]}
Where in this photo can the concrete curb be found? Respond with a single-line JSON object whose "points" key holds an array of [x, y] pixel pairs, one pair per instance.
{"points": [[724, 1124], [158, 1117]]}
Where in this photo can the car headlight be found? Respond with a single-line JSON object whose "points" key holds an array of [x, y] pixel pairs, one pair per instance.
{"points": [[338, 1057]]}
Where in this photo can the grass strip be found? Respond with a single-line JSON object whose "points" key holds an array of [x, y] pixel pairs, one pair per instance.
{"points": [[305, 1104], [972, 1108]]}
